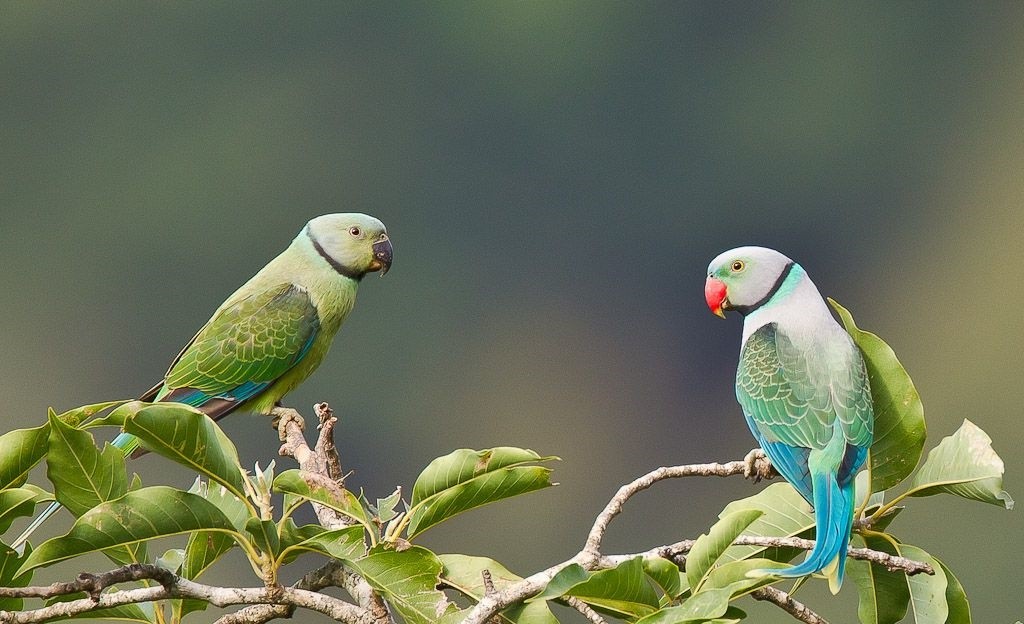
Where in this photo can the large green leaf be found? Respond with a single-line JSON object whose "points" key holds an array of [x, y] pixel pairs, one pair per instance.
{"points": [[563, 581], [337, 498], [785, 514], [733, 576], [22, 449], [709, 547], [956, 598], [191, 438], [963, 464], [345, 543], [15, 503], [899, 416], [465, 479], [117, 416], [667, 576], [927, 592], [883, 595], [408, 581], [78, 416], [623, 590], [10, 576], [206, 547], [151, 512], [705, 606], [82, 475], [465, 573]]}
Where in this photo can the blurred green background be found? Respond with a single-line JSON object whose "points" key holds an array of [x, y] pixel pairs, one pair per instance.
{"points": [[555, 177]]}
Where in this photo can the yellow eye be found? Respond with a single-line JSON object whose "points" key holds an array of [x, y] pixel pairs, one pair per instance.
{"points": [[738, 266]]}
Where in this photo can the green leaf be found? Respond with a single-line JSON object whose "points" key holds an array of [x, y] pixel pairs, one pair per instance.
{"points": [[172, 559], [264, 535], [206, 547], [622, 590], [899, 416], [667, 576], [22, 449], [10, 564], [407, 580], [956, 598], [786, 514], [465, 573], [700, 607], [82, 475], [385, 508], [144, 514], [117, 416], [733, 576], [189, 437], [708, 548], [346, 543], [465, 479], [564, 580], [883, 596], [77, 416], [963, 464], [927, 592], [337, 498], [15, 503]]}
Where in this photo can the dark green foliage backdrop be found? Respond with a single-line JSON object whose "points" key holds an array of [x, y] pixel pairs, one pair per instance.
{"points": [[555, 178]]}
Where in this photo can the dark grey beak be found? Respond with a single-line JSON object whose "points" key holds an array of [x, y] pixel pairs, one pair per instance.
{"points": [[382, 252]]}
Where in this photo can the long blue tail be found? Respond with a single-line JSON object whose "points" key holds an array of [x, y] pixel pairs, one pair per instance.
{"points": [[126, 442], [833, 520]]}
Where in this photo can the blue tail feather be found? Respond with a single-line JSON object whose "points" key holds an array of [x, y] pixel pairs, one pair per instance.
{"points": [[833, 519]]}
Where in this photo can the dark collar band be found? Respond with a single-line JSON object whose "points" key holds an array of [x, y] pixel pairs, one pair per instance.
{"points": [[337, 266], [747, 309]]}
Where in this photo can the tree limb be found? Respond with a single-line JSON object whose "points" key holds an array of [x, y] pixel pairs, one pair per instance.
{"points": [[788, 604], [170, 586]]}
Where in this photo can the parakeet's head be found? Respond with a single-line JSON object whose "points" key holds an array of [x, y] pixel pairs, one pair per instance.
{"points": [[354, 244], [742, 279]]}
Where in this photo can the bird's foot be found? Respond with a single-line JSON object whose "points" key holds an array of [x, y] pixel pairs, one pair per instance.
{"points": [[279, 413], [757, 466]]}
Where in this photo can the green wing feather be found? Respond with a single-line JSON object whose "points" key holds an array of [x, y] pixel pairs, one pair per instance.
{"points": [[795, 396], [255, 340]]}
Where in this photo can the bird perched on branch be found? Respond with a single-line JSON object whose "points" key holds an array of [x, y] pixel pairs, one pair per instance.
{"points": [[273, 332], [803, 388]]}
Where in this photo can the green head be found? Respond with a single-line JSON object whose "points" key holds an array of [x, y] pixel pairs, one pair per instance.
{"points": [[745, 278], [353, 244]]}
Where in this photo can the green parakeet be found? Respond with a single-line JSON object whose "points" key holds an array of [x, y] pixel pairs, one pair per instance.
{"points": [[803, 388], [274, 331]]}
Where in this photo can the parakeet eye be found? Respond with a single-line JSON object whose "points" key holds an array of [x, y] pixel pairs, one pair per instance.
{"points": [[354, 231], [738, 266]]}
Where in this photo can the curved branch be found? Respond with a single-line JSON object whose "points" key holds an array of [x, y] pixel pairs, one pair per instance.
{"points": [[589, 558], [788, 604], [170, 586]]}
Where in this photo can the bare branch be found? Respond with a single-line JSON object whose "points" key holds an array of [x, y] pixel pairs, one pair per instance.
{"points": [[788, 604], [171, 586], [590, 558], [585, 610], [755, 465]]}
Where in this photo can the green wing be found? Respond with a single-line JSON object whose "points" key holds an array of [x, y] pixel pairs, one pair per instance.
{"points": [[245, 347], [796, 396]]}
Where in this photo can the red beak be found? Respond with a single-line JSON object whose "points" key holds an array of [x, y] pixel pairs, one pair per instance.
{"points": [[714, 293]]}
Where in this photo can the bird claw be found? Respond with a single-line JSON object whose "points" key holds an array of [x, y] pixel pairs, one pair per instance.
{"points": [[757, 466], [279, 413]]}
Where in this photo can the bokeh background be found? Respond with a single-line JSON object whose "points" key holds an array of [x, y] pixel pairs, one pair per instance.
{"points": [[555, 177]]}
